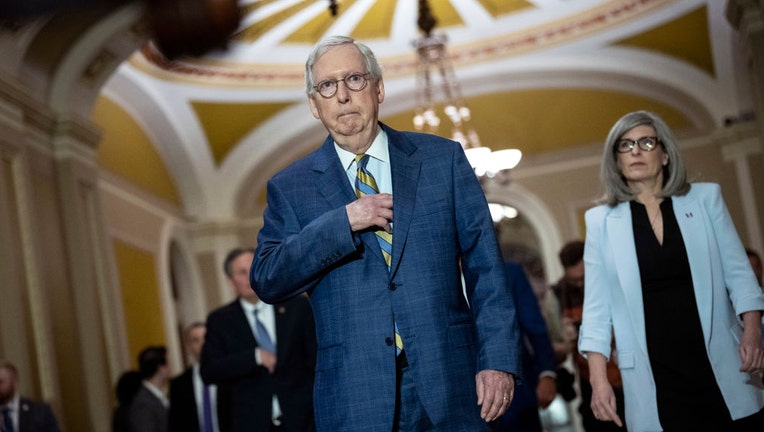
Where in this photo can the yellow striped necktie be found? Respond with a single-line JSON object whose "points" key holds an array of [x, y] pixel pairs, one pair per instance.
{"points": [[366, 185]]}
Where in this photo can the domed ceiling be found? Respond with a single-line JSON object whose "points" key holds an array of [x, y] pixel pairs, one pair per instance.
{"points": [[542, 76]]}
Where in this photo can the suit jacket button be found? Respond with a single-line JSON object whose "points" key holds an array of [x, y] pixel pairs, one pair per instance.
{"points": [[392, 286], [389, 341]]}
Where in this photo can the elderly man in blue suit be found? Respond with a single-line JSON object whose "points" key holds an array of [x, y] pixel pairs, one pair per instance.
{"points": [[400, 346]]}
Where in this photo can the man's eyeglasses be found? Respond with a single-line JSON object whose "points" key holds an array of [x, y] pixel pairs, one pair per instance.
{"points": [[648, 143], [354, 82]]}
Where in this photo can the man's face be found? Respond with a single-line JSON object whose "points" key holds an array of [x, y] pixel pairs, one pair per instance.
{"points": [[574, 275], [7, 385], [239, 279], [195, 341], [349, 116]]}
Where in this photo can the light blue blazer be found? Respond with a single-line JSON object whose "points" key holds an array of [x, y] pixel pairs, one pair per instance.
{"points": [[440, 218], [724, 285]]}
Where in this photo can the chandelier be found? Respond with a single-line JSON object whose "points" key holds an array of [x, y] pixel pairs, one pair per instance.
{"points": [[434, 64]]}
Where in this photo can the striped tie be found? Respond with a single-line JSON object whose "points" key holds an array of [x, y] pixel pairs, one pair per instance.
{"points": [[366, 185]]}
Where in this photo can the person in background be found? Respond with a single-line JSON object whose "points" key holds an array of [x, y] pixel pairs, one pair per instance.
{"points": [[667, 272], [265, 353], [570, 290], [19, 413], [127, 387], [148, 412], [195, 406], [538, 387], [328, 231]]}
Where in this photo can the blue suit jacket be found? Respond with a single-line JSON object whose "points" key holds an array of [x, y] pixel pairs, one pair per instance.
{"points": [[440, 218], [724, 285]]}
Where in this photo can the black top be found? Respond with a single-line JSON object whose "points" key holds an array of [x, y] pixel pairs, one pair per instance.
{"points": [[687, 392]]}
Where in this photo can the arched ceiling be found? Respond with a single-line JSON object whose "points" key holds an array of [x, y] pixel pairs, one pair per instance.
{"points": [[538, 75]]}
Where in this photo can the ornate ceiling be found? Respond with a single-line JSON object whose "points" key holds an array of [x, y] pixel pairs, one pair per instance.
{"points": [[544, 76]]}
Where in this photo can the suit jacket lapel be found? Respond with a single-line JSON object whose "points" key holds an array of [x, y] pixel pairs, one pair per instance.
{"points": [[405, 174], [242, 322], [335, 188], [689, 216], [624, 251], [332, 181]]}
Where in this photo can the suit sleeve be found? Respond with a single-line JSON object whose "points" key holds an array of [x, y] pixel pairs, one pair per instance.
{"points": [[220, 364], [595, 332], [493, 308], [743, 289], [291, 259]]}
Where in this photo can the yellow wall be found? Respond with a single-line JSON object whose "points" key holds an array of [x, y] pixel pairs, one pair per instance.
{"points": [[127, 151], [140, 297]]}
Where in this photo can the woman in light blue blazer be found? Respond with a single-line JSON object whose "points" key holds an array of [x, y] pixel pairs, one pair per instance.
{"points": [[667, 275]]}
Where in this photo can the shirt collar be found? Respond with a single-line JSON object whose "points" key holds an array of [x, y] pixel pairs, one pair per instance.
{"points": [[13, 404], [157, 392], [249, 308], [377, 150]]}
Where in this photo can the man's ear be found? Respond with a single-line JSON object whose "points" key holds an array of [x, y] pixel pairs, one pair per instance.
{"points": [[380, 90], [313, 107]]}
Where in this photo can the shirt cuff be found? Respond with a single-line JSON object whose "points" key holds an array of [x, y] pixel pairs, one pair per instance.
{"points": [[551, 374]]}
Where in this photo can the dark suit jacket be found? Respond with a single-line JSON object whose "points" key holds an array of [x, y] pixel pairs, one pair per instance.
{"points": [[35, 416], [184, 414], [147, 413], [441, 217], [228, 359], [536, 347]]}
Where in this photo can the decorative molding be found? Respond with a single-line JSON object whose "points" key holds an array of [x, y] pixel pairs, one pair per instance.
{"points": [[574, 27]]}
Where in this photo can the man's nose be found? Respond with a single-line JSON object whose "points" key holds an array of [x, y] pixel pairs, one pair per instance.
{"points": [[343, 93]]}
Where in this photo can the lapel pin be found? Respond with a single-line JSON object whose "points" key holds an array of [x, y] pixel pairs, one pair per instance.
{"points": [[282, 310]]}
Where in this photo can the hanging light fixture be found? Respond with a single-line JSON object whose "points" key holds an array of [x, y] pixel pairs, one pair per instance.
{"points": [[433, 65]]}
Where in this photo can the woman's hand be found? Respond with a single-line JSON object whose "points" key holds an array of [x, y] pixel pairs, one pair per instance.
{"points": [[751, 351], [603, 398]]}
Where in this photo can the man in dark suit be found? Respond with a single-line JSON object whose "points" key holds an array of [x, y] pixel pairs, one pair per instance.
{"points": [[190, 409], [20, 414], [148, 412], [371, 267], [265, 353], [539, 386]]}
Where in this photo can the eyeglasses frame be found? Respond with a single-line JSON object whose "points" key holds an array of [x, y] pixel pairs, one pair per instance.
{"points": [[337, 85], [637, 142]]}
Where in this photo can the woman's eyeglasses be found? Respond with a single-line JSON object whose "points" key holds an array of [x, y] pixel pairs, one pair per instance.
{"points": [[648, 143]]}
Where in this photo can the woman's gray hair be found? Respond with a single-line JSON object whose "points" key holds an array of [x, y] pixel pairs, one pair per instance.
{"points": [[615, 189], [372, 66]]}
